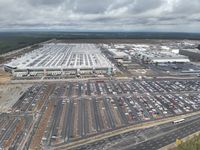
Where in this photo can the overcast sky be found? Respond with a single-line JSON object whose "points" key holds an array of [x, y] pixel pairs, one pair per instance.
{"points": [[104, 15]]}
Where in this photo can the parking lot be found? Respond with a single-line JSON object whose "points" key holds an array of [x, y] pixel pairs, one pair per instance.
{"points": [[13, 130], [69, 111], [177, 68], [95, 107]]}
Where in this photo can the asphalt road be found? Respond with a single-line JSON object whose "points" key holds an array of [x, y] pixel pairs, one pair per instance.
{"points": [[168, 137], [147, 139]]}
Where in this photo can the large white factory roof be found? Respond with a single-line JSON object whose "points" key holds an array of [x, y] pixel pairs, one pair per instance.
{"points": [[61, 55], [117, 53], [162, 56]]}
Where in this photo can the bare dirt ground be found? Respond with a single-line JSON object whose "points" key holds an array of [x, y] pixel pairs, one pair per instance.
{"points": [[141, 72], [4, 76], [9, 94]]}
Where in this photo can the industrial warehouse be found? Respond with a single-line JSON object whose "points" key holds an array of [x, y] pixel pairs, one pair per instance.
{"points": [[61, 59], [161, 57]]}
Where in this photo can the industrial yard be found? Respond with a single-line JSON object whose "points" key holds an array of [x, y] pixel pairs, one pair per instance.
{"points": [[62, 113], [57, 59], [98, 96], [164, 58]]}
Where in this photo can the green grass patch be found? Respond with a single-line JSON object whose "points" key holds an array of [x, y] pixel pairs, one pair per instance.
{"points": [[193, 144]]}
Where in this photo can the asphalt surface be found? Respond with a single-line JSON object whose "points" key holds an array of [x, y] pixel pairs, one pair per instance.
{"points": [[148, 138], [168, 137]]}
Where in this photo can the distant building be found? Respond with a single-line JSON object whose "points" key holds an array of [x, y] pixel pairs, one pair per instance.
{"points": [[118, 54], [161, 57], [198, 46], [193, 54]]}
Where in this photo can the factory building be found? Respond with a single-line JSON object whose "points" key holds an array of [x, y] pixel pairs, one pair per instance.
{"points": [[61, 59], [160, 57], [118, 54], [193, 54]]}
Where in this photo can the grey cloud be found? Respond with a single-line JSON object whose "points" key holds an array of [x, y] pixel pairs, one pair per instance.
{"points": [[100, 14], [45, 2], [139, 6], [187, 7], [91, 6]]}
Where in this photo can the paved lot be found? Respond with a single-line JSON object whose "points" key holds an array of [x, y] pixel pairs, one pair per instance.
{"points": [[64, 112]]}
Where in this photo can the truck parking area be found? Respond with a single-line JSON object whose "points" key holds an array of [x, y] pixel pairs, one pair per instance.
{"points": [[64, 112]]}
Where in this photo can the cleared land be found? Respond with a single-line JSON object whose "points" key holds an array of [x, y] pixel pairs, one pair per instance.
{"points": [[4, 76], [9, 94]]}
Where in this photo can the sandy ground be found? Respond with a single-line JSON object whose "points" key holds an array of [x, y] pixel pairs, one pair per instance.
{"points": [[141, 72], [9, 94], [4, 76]]}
